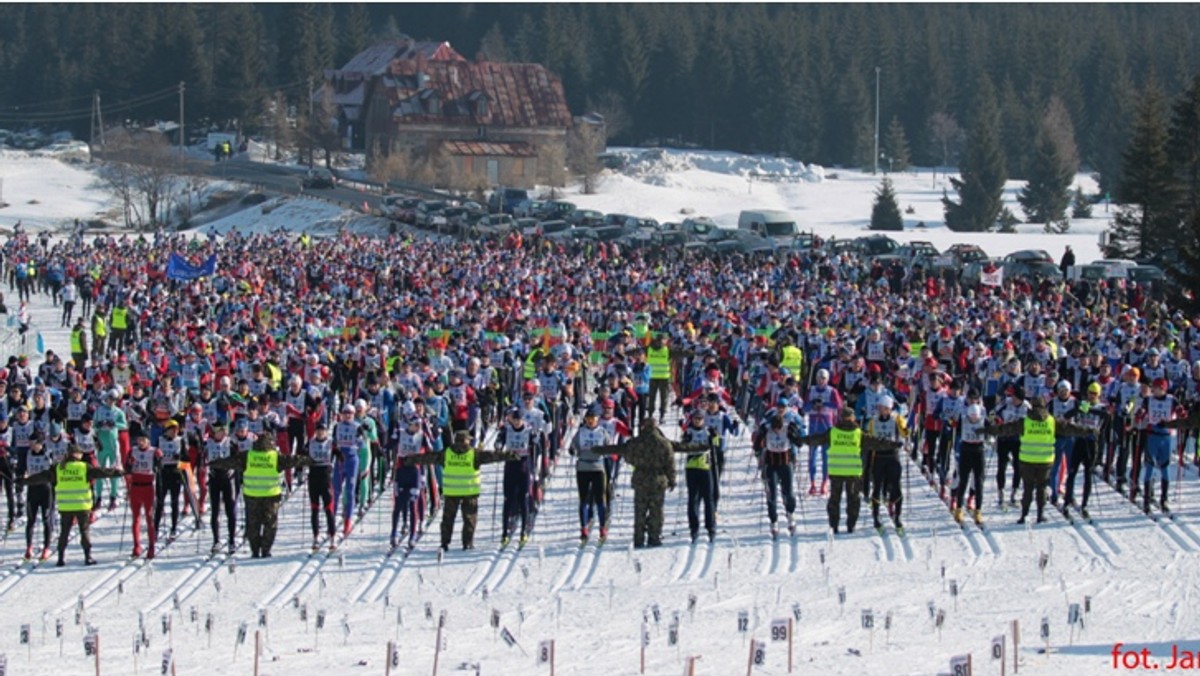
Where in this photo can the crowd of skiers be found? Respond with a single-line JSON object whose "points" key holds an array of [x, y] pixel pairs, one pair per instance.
{"points": [[361, 368]]}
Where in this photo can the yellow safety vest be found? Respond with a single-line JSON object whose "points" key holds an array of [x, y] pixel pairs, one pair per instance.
{"points": [[792, 360], [71, 487], [914, 349], [659, 360], [261, 478], [77, 341], [1037, 441], [845, 452], [529, 370], [98, 327], [460, 477], [118, 317]]}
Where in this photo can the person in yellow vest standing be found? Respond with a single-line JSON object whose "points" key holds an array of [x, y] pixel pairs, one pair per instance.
{"points": [[119, 322], [658, 358], [846, 443], [99, 334], [73, 490], [791, 358], [261, 468], [1037, 431], [461, 483], [79, 351]]}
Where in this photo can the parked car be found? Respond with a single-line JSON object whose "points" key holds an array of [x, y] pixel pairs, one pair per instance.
{"points": [[876, 245], [402, 209], [528, 209], [648, 224], [554, 229], [429, 215], [586, 218], [966, 253], [317, 178], [622, 220], [504, 200], [912, 250], [1033, 263], [556, 210]]}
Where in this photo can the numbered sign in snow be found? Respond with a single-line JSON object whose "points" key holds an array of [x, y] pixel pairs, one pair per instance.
{"points": [[394, 654], [796, 614], [1045, 628], [1087, 604], [1043, 560], [3, 664], [262, 617], [758, 653], [58, 628], [1074, 615], [821, 553], [193, 614], [779, 629], [656, 612], [645, 635], [168, 660], [166, 623], [321, 619], [243, 627], [217, 586], [544, 651], [495, 621], [208, 623], [841, 596], [346, 626], [442, 618], [25, 631], [485, 594], [868, 619], [175, 601], [673, 633], [998, 647], [691, 603], [954, 587], [940, 619], [429, 610], [887, 621], [960, 665], [637, 566], [91, 642], [932, 609], [743, 621]]}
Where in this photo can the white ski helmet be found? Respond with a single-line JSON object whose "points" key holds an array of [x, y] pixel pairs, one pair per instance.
{"points": [[975, 413]]}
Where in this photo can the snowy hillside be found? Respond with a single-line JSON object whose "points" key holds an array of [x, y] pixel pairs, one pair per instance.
{"points": [[1139, 575]]}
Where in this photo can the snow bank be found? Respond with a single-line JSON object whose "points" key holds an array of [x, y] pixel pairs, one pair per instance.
{"points": [[44, 192], [656, 164]]}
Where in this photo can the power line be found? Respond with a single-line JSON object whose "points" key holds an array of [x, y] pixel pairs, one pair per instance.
{"points": [[80, 114], [137, 100]]}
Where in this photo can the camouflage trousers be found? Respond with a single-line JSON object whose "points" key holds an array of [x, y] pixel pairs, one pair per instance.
{"points": [[262, 519], [647, 516]]}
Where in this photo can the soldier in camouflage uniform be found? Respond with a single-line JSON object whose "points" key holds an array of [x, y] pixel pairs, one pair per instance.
{"points": [[652, 456], [262, 513]]}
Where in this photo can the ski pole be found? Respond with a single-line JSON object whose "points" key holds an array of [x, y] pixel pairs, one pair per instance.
{"points": [[124, 513], [495, 495]]}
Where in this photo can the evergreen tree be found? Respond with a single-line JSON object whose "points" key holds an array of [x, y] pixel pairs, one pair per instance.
{"points": [[1183, 145], [895, 147], [1147, 220], [1045, 197], [885, 213], [354, 34], [1081, 206], [981, 181]]}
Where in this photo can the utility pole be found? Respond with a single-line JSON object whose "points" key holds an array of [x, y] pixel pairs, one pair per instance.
{"points": [[92, 127], [99, 119], [181, 136], [875, 155], [311, 123]]}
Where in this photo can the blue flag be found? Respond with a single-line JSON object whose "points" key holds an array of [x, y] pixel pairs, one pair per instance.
{"points": [[179, 268]]}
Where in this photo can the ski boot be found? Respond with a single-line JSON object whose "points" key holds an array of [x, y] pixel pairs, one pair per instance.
{"points": [[812, 489], [978, 515], [216, 547], [603, 534], [28, 553], [112, 504], [791, 524], [89, 561], [45, 554], [774, 531], [524, 539], [957, 515], [150, 554], [712, 535], [316, 545], [583, 536]]}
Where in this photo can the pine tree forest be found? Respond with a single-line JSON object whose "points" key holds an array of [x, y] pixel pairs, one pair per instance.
{"points": [[780, 78]]}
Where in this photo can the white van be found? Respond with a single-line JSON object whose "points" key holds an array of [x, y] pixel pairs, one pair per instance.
{"points": [[774, 224]]}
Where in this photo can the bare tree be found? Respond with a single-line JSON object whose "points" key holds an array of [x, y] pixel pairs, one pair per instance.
{"points": [[584, 142], [280, 124], [141, 167], [946, 135], [552, 164], [396, 165], [322, 131]]}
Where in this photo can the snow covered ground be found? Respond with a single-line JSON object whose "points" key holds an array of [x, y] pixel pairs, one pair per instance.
{"points": [[43, 191], [1140, 575]]}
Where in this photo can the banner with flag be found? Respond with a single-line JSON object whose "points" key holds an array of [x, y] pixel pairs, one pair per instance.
{"points": [[599, 346], [178, 267], [994, 278], [548, 338]]}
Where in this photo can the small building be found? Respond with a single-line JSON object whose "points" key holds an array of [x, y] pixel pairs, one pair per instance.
{"points": [[498, 123], [349, 85]]}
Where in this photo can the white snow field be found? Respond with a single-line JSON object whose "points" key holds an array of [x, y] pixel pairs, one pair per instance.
{"points": [[1140, 575]]}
